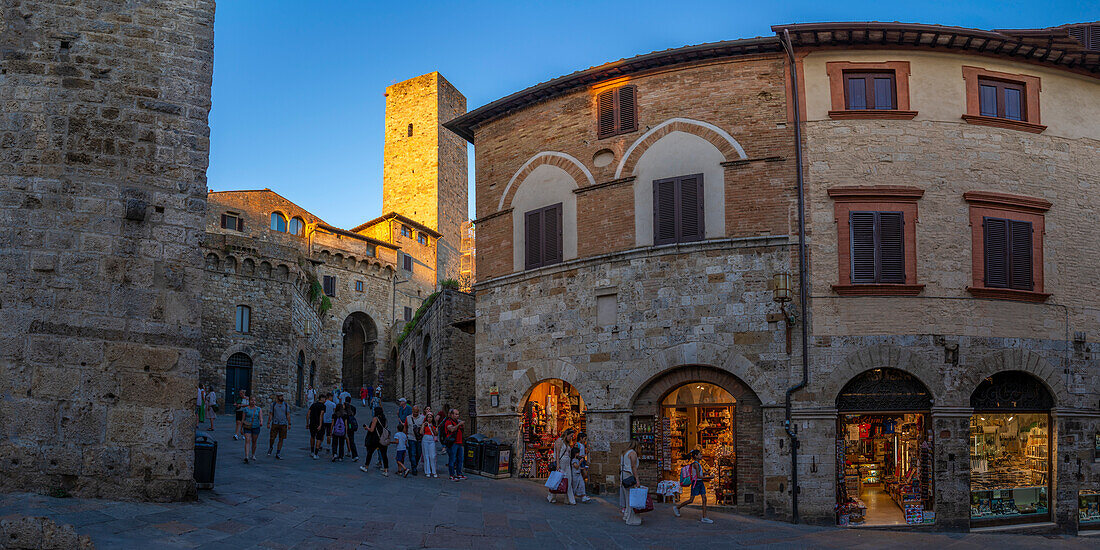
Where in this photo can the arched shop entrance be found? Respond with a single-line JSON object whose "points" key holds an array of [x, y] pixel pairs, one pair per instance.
{"points": [[699, 415], [551, 407], [1010, 450], [884, 450]]}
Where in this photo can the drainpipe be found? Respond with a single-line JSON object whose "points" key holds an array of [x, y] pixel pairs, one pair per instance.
{"points": [[802, 279]]}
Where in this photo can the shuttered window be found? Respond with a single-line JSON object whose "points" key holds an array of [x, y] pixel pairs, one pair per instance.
{"points": [[407, 262], [617, 111], [543, 236], [329, 285], [878, 247], [678, 210], [1008, 259], [233, 222]]}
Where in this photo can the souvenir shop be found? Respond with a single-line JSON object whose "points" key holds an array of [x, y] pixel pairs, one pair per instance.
{"points": [[552, 407], [1010, 451], [700, 416], [884, 451]]}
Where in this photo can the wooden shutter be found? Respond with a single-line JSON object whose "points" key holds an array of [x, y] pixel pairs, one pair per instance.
{"points": [[891, 246], [690, 189], [862, 238], [664, 211], [533, 245], [996, 252], [627, 119], [605, 107], [329, 284], [551, 234], [240, 223], [1019, 253], [225, 221]]}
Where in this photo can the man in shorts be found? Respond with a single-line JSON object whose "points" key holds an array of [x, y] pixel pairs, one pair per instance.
{"points": [[280, 423], [316, 433], [326, 421], [239, 405]]}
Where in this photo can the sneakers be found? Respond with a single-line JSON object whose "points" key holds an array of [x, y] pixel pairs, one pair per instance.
{"points": [[235, 438], [405, 473], [386, 473], [706, 520], [277, 457], [460, 476], [269, 452], [676, 510], [364, 469], [246, 460], [550, 498], [586, 498], [313, 456]]}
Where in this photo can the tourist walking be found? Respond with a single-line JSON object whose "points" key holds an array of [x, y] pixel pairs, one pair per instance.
{"points": [[402, 440], [562, 447], [698, 488], [316, 418], [326, 421], [377, 439], [370, 395], [200, 406], [582, 446], [363, 395], [344, 396], [211, 405], [577, 483], [353, 426], [429, 437], [239, 404], [452, 439], [339, 433], [377, 397], [311, 395], [253, 420], [280, 424], [415, 422], [628, 466], [403, 410]]}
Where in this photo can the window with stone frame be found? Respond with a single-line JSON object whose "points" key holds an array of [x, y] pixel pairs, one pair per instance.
{"points": [[278, 222], [878, 90], [1007, 243], [232, 221], [1003, 100], [408, 313], [876, 240], [359, 286], [244, 319], [406, 262], [406, 231], [328, 283]]}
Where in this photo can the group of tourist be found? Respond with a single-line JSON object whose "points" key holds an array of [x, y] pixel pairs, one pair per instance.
{"points": [[692, 475]]}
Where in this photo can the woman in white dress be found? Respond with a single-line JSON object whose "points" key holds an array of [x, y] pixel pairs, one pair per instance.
{"points": [[561, 455], [628, 465]]}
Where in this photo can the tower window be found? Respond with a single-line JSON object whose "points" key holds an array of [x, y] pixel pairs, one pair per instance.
{"points": [[328, 284], [405, 231], [359, 286], [408, 313], [410, 130], [244, 319], [421, 238]]}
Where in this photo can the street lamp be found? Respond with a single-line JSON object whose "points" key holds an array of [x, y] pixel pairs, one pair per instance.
{"points": [[782, 293]]}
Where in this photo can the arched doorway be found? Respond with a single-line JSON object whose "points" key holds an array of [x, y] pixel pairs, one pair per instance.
{"points": [[884, 450], [1011, 447], [550, 407], [360, 337], [301, 378], [238, 375]]}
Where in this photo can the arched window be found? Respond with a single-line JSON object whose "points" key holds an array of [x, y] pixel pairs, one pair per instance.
{"points": [[297, 226], [278, 222]]}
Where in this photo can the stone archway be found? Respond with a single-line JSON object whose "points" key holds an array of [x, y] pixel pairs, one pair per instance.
{"points": [[360, 338], [1014, 360], [525, 380], [882, 357], [697, 353]]}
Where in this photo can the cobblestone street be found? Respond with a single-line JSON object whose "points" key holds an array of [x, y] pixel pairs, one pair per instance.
{"points": [[301, 503]]}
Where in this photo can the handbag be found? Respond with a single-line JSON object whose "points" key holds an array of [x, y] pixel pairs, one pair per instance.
{"points": [[637, 497], [648, 506], [451, 437], [627, 481]]}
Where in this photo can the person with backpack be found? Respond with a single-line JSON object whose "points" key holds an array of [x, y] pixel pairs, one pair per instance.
{"points": [[280, 423], [628, 467], [691, 475], [378, 437], [430, 435], [339, 433], [353, 426], [452, 439], [316, 417], [564, 464], [252, 419]]}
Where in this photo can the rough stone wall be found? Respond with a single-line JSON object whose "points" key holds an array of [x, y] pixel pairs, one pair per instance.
{"points": [[103, 175], [452, 357]]}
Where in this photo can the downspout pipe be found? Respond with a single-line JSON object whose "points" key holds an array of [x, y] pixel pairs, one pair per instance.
{"points": [[802, 279]]}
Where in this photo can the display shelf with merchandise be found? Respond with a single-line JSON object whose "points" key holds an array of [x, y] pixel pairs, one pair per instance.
{"points": [[1088, 509]]}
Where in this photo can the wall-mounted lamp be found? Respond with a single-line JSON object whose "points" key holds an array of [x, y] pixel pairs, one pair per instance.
{"points": [[782, 293]]}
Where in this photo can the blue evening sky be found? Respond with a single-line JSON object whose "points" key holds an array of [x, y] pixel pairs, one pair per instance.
{"points": [[298, 104]]}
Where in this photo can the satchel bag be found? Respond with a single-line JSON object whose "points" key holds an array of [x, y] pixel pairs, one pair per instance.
{"points": [[627, 481]]}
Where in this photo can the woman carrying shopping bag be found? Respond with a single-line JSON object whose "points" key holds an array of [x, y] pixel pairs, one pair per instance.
{"points": [[561, 456], [628, 465]]}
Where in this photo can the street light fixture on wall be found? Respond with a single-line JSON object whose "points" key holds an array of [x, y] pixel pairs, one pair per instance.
{"points": [[782, 293]]}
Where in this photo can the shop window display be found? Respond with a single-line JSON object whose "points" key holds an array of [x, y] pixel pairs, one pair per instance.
{"points": [[1009, 466], [885, 470], [698, 416], [551, 408], [1088, 509]]}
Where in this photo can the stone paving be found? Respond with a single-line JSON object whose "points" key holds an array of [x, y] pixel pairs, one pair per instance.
{"points": [[301, 503]]}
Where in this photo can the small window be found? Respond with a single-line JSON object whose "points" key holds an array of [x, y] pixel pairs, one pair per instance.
{"points": [[1001, 99], [232, 221], [1008, 254], [359, 286], [370, 251], [297, 226], [543, 236], [329, 285], [877, 247], [422, 238], [408, 313], [678, 210], [607, 309], [410, 130], [616, 111], [869, 91], [244, 319], [407, 262], [278, 222], [405, 231]]}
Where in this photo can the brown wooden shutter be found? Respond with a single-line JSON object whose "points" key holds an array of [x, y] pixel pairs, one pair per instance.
{"points": [[551, 235], [1020, 261], [691, 208], [627, 119], [605, 107], [891, 241], [861, 227], [225, 221], [996, 252], [240, 223], [533, 244], [664, 211]]}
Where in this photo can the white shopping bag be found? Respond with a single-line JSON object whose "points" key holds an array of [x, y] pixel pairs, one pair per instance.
{"points": [[554, 480], [638, 497]]}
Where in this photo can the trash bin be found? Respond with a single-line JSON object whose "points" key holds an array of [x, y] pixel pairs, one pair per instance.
{"points": [[496, 459], [472, 462], [206, 457]]}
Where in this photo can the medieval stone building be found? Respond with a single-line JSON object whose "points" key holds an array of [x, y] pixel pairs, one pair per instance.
{"points": [[292, 301], [638, 233], [103, 178]]}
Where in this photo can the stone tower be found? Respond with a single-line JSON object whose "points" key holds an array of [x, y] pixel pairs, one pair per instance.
{"points": [[103, 175], [424, 170]]}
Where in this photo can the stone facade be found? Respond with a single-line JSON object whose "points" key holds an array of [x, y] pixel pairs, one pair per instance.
{"points": [[103, 174], [435, 360]]}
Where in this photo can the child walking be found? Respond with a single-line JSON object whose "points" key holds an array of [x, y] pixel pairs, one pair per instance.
{"points": [[695, 473]]}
